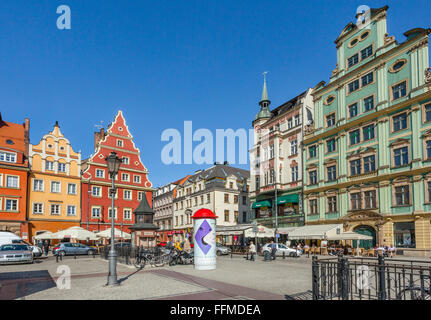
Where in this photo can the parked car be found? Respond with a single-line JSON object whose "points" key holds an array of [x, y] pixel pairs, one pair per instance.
{"points": [[123, 245], [7, 237], [289, 252], [222, 250], [37, 252], [15, 253], [69, 248]]}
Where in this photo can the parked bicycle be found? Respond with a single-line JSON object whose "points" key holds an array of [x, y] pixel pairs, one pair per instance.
{"points": [[144, 257]]}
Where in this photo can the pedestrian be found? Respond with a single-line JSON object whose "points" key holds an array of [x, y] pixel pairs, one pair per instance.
{"points": [[187, 247], [46, 247], [252, 249], [273, 249]]}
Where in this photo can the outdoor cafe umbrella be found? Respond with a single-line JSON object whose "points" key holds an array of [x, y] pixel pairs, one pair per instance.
{"points": [[117, 234], [43, 236], [77, 233], [350, 235]]}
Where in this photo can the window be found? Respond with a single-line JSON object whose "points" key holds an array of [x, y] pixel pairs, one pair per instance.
{"points": [[110, 213], [297, 120], [202, 200], [401, 156], [127, 214], [369, 164], [353, 86], [61, 167], [367, 79], [353, 110], [95, 212], [7, 157], [369, 103], [71, 210], [231, 185], [226, 216], [140, 195], [37, 208], [235, 199], [100, 173], [295, 173], [365, 53], [353, 60], [125, 176], [126, 160], [119, 143], [355, 201], [244, 200], [368, 132], [244, 216], [330, 145], [399, 90], [312, 152], [313, 176], [127, 195], [289, 123], [313, 207], [137, 179], [12, 182], [332, 173], [402, 195], [355, 167], [332, 204], [330, 120], [226, 198], [11, 205], [208, 198], [428, 147], [428, 112], [235, 216], [38, 185], [97, 192], [354, 137], [55, 209], [404, 233], [257, 183], [71, 188], [49, 165], [293, 147], [370, 199], [55, 187], [400, 122], [271, 151]]}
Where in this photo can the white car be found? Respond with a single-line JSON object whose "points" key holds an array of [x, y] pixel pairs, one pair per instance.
{"points": [[289, 252]]}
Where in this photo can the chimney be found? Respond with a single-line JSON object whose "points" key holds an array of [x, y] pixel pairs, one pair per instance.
{"points": [[26, 125], [98, 136]]}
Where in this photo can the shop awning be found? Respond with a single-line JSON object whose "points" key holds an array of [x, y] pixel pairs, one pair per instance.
{"points": [[232, 230], [262, 232], [290, 198], [286, 230], [349, 235], [316, 232], [260, 204]]}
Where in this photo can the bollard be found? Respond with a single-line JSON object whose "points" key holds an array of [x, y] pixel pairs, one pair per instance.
{"points": [[94, 254], [247, 256], [56, 258], [284, 255]]}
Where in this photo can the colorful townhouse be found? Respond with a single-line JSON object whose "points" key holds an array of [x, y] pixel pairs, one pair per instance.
{"points": [[276, 161], [14, 168], [367, 157], [131, 182], [54, 196]]}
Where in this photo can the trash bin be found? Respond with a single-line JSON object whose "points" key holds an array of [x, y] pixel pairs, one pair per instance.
{"points": [[267, 255]]}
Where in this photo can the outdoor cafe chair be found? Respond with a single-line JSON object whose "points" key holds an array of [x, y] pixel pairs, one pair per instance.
{"points": [[371, 253]]}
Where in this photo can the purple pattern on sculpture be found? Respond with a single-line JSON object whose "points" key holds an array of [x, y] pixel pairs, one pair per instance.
{"points": [[203, 230]]}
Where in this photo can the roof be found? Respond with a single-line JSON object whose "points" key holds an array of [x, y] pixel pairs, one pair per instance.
{"points": [[144, 226], [220, 171], [319, 231], [289, 105], [12, 132], [144, 207], [204, 214], [179, 182]]}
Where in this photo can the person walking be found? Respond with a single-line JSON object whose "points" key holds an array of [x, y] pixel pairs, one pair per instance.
{"points": [[46, 247], [273, 249], [252, 249], [187, 246]]}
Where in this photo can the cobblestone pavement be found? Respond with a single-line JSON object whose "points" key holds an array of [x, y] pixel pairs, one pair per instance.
{"points": [[234, 279]]}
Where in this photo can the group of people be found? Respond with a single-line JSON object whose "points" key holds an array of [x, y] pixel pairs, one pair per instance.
{"points": [[180, 246]]}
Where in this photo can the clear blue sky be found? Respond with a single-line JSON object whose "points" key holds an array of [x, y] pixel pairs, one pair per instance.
{"points": [[164, 62]]}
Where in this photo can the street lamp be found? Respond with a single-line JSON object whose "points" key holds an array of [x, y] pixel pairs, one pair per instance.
{"points": [[113, 166]]}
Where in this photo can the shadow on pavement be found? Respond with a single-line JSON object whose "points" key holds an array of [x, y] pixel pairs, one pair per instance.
{"points": [[16, 285], [128, 276]]}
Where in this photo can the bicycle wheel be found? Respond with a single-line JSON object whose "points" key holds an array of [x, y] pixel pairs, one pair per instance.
{"points": [[139, 263], [158, 261], [413, 294]]}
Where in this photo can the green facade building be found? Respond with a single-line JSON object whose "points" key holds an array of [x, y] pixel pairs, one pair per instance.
{"points": [[367, 156]]}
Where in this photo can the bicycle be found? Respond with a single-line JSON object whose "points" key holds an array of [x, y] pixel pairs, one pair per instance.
{"points": [[414, 293], [143, 257]]}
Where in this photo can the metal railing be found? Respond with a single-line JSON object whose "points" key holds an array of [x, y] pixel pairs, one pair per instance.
{"points": [[360, 278]]}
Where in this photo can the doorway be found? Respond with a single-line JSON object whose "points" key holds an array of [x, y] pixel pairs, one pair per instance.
{"points": [[369, 231]]}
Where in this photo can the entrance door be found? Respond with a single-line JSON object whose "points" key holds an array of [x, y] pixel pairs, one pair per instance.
{"points": [[369, 231]]}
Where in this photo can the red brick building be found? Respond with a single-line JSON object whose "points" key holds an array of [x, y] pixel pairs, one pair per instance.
{"points": [[131, 182], [14, 168]]}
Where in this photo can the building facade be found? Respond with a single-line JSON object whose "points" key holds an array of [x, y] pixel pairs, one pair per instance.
{"points": [[276, 161], [220, 188], [54, 184], [14, 168], [367, 155], [131, 182], [163, 199]]}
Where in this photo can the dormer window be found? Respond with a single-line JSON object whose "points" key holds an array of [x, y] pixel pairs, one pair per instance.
{"points": [[364, 35], [119, 143], [9, 141], [329, 99], [353, 42]]}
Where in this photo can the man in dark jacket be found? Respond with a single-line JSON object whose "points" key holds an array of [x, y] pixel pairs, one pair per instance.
{"points": [[273, 249], [46, 247]]}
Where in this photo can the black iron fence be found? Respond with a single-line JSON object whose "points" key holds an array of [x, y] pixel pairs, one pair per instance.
{"points": [[126, 255], [352, 278]]}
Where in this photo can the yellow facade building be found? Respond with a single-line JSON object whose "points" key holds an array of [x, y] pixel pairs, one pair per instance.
{"points": [[54, 185]]}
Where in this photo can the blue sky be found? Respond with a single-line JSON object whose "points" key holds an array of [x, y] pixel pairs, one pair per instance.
{"points": [[166, 62]]}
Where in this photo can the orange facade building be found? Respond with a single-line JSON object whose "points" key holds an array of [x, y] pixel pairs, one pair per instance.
{"points": [[14, 169]]}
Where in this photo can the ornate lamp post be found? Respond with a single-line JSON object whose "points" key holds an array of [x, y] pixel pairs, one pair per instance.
{"points": [[113, 166]]}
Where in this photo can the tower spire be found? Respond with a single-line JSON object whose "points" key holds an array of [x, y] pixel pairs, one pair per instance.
{"points": [[264, 102], [264, 90]]}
